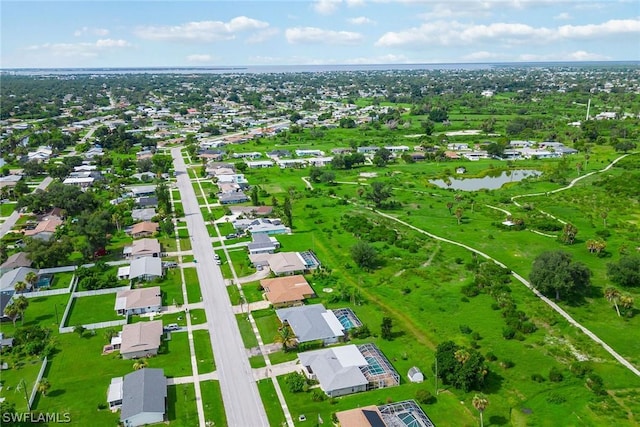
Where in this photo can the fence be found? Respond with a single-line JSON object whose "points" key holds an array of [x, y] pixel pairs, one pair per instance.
{"points": [[100, 325], [101, 291], [67, 309], [38, 379]]}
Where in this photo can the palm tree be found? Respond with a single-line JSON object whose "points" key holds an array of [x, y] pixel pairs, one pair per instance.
{"points": [[20, 287], [31, 278], [480, 402], [21, 304], [613, 295], [449, 206], [459, 215], [140, 363], [43, 386], [626, 301], [604, 215], [286, 337], [12, 312]]}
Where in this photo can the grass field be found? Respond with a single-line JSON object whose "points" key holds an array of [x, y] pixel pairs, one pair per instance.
{"points": [[271, 403], [198, 316], [248, 337], [212, 403], [93, 309], [204, 354], [171, 286], [7, 209], [252, 291], [181, 405], [267, 323], [194, 294]]}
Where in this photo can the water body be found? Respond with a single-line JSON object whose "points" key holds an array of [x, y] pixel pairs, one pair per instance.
{"points": [[278, 69], [487, 182]]}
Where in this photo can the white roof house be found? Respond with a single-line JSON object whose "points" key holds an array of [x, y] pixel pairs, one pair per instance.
{"points": [[337, 369]]}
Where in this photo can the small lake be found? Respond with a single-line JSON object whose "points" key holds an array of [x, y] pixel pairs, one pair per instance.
{"points": [[487, 182]]}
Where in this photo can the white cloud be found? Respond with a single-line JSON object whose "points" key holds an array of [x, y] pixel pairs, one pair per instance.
{"points": [[201, 31], [326, 7], [453, 33], [361, 20], [100, 32], [355, 3], [579, 55], [564, 16], [383, 59], [200, 57], [263, 35], [481, 55], [311, 35], [86, 49]]}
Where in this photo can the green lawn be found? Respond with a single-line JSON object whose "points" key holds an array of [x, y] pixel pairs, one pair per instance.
{"points": [[234, 294], [240, 261], [181, 405], [198, 316], [42, 311], [7, 209], [281, 356], [173, 356], [24, 369], [212, 403], [275, 414], [171, 286], [185, 244], [257, 361], [204, 353], [248, 337], [62, 280], [252, 291], [267, 323], [93, 309], [194, 293], [168, 243]]}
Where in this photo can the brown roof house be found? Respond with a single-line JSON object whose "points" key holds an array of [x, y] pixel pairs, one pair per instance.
{"points": [[141, 248], [45, 229], [140, 339], [287, 291], [143, 229], [139, 301], [16, 260]]}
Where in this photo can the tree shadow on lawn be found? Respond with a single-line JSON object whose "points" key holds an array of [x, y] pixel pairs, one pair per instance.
{"points": [[171, 403], [492, 383], [498, 420]]}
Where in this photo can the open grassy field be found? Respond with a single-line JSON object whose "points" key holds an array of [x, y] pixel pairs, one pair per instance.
{"points": [[93, 309], [204, 353], [212, 403]]}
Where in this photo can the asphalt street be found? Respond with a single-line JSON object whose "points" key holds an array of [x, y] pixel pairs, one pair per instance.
{"points": [[242, 402]]}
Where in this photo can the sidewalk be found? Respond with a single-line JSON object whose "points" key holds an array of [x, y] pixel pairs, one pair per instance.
{"points": [[237, 309]]}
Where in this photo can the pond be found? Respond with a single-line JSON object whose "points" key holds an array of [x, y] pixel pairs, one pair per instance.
{"points": [[488, 182]]}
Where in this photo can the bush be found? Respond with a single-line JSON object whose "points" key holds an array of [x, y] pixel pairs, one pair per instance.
{"points": [[595, 384], [556, 398], [537, 378], [491, 357], [476, 336], [555, 375], [424, 396], [295, 381], [508, 332], [507, 364], [580, 369], [465, 329], [471, 290], [318, 395]]}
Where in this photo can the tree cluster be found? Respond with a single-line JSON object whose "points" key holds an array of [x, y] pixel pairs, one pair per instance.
{"points": [[460, 367], [555, 273]]}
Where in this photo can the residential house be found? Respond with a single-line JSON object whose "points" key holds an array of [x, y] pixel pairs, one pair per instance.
{"points": [[146, 214], [146, 202], [143, 229], [251, 211], [251, 155], [42, 154], [397, 149], [260, 164], [93, 152], [44, 230], [291, 163], [141, 395], [275, 154], [367, 150], [9, 279], [235, 197], [282, 263], [475, 155], [82, 182], [287, 291], [309, 153], [19, 259], [5, 342], [404, 413], [337, 151], [262, 244], [267, 226], [145, 268], [142, 190], [146, 247], [139, 301], [312, 323], [141, 339], [337, 369], [320, 161], [5, 297], [9, 181]]}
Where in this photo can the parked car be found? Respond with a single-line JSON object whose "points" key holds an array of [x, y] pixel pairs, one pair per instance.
{"points": [[231, 236], [171, 327]]}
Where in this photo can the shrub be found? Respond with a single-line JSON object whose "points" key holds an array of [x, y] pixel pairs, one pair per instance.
{"points": [[507, 364], [508, 332], [424, 396], [295, 381], [580, 369], [470, 290], [318, 395], [555, 375], [476, 336], [491, 357], [465, 329], [556, 398], [595, 384], [537, 378]]}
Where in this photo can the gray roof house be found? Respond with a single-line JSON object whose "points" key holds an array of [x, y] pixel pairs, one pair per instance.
{"points": [[312, 323], [145, 268], [142, 396], [5, 298], [263, 244], [10, 278], [145, 214], [16, 260], [234, 197], [337, 369]]}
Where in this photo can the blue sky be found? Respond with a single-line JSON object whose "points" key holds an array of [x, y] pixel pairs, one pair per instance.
{"points": [[140, 33]]}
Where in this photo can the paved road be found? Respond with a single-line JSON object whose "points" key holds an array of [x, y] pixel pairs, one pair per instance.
{"points": [[13, 218], [240, 395]]}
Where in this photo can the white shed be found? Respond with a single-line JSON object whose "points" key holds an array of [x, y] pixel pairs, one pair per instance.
{"points": [[415, 375]]}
